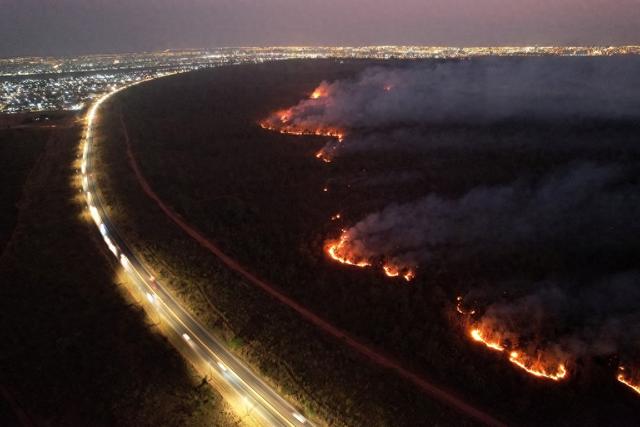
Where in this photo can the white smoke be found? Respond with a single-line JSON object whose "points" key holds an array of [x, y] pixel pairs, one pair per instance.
{"points": [[485, 89], [587, 203]]}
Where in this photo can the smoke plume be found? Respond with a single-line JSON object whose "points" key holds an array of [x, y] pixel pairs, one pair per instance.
{"points": [[572, 221], [393, 105], [585, 206]]}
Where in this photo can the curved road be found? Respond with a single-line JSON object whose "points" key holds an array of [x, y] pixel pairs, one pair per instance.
{"points": [[243, 389], [374, 355], [213, 346]]}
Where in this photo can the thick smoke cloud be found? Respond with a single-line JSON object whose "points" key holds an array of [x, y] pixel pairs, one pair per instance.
{"points": [[585, 204], [479, 90], [390, 107], [569, 319], [569, 225]]}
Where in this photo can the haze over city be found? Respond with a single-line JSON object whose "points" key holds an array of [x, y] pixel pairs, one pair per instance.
{"points": [[68, 27]]}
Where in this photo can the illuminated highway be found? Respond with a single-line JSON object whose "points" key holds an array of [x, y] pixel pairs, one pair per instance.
{"points": [[251, 398]]}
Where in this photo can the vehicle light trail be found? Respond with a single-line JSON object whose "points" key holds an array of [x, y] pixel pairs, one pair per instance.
{"points": [[241, 387]]}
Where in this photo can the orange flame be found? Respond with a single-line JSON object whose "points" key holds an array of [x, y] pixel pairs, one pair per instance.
{"points": [[340, 250], [391, 270], [479, 336], [291, 129], [626, 379], [409, 275], [319, 92], [337, 251], [395, 271], [537, 367], [282, 122], [321, 155]]}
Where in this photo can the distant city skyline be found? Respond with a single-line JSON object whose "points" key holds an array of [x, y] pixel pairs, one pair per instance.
{"points": [[68, 27]]}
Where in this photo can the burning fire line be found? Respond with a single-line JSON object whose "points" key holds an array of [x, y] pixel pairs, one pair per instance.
{"points": [[281, 122], [338, 251], [535, 366], [393, 271], [626, 380], [294, 130], [478, 336], [334, 250]]}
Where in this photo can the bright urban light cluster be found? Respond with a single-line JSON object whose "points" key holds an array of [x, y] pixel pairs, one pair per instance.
{"points": [[35, 84]]}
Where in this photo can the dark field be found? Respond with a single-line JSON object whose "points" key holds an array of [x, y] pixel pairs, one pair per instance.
{"points": [[75, 351], [19, 150], [260, 196]]}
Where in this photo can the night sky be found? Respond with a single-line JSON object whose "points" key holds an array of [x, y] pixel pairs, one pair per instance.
{"points": [[42, 27]]}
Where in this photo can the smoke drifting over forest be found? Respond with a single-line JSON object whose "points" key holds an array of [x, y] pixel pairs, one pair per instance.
{"points": [[585, 208], [571, 223], [392, 106], [478, 90]]}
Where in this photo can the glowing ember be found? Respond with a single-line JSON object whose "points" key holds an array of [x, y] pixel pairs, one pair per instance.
{"points": [[625, 378], [394, 271], [388, 88], [479, 336], [284, 116], [460, 309], [335, 217], [322, 156], [390, 270], [537, 366], [409, 275]]}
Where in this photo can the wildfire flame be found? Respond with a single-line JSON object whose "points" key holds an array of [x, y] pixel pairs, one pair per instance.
{"points": [[283, 126], [625, 378], [284, 122], [394, 271], [409, 275], [322, 156], [337, 251], [391, 270], [480, 337], [319, 92], [537, 366]]}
